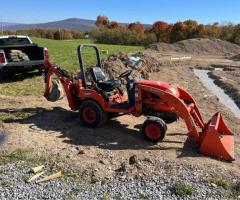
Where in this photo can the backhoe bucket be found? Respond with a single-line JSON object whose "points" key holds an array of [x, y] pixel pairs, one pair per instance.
{"points": [[56, 91], [217, 140]]}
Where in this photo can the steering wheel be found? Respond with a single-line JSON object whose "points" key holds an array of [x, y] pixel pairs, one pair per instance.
{"points": [[125, 74]]}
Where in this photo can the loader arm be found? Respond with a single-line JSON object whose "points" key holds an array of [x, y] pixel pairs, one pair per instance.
{"points": [[214, 138], [180, 108]]}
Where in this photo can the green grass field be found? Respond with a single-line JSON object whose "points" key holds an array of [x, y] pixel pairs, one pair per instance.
{"points": [[64, 54]]}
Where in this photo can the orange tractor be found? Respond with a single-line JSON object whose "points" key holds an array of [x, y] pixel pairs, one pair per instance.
{"points": [[97, 98]]}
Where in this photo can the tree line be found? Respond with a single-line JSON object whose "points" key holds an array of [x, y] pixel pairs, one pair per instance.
{"points": [[112, 32], [56, 34]]}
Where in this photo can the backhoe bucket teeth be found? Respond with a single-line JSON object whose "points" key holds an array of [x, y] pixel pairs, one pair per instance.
{"points": [[217, 140]]}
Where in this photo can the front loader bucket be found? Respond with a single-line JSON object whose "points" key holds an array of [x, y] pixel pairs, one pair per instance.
{"points": [[217, 140]]}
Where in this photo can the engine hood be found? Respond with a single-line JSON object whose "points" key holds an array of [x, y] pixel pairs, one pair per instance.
{"points": [[161, 86]]}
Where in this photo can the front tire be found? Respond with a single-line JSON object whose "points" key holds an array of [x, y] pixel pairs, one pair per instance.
{"points": [[154, 129], [91, 114], [168, 117]]}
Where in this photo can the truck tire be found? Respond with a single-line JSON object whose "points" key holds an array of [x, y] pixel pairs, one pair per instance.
{"points": [[3, 76], [154, 129], [91, 114], [40, 71]]}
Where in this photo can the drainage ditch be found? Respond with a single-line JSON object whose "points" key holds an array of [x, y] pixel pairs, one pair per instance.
{"points": [[216, 90]]}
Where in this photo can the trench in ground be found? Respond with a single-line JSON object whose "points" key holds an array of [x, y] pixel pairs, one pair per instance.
{"points": [[219, 92]]}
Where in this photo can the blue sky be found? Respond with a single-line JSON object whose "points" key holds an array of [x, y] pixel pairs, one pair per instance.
{"points": [[146, 11]]}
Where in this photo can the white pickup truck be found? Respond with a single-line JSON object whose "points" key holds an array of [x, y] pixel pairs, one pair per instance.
{"points": [[35, 55]]}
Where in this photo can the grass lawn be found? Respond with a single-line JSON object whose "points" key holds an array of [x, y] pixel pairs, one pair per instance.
{"points": [[64, 54]]}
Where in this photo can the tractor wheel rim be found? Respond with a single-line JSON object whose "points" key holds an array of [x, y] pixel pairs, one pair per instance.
{"points": [[153, 131], [89, 115]]}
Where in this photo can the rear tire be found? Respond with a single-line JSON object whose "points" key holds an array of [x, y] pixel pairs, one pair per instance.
{"points": [[154, 129], [91, 114], [40, 71], [1, 76]]}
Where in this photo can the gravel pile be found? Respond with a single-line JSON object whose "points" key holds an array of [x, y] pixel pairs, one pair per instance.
{"points": [[13, 186]]}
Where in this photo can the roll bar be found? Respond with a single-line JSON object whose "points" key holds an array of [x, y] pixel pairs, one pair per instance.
{"points": [[81, 63]]}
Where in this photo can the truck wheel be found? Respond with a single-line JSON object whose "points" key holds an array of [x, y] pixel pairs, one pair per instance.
{"points": [[40, 71], [91, 114], [3, 75], [154, 129]]}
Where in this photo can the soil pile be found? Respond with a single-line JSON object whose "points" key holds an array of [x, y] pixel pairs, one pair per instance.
{"points": [[236, 57], [116, 65], [199, 46]]}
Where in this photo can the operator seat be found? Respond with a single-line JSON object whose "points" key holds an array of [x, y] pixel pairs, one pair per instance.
{"points": [[100, 78]]}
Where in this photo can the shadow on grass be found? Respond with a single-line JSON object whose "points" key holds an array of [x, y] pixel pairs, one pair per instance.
{"points": [[19, 77]]}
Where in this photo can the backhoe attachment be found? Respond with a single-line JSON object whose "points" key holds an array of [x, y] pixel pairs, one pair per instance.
{"points": [[53, 88]]}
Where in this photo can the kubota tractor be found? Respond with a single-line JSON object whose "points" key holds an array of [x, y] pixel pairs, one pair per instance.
{"points": [[97, 98]]}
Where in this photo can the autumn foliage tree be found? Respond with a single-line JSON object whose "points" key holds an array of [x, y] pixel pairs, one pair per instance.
{"points": [[227, 32], [112, 32], [56, 34], [113, 25], [137, 26], [178, 32], [236, 34], [102, 21], [161, 30], [190, 28]]}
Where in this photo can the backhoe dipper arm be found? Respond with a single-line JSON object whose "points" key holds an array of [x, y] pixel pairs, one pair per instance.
{"points": [[65, 79], [48, 78]]}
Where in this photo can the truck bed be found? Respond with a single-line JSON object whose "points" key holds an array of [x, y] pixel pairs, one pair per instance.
{"points": [[34, 52]]}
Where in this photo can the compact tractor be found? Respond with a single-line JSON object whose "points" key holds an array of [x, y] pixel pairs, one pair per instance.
{"points": [[97, 99]]}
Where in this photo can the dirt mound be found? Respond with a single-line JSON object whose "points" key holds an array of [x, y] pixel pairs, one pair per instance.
{"points": [[198, 46], [115, 65], [236, 57]]}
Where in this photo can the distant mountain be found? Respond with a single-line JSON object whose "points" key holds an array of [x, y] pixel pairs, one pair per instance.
{"points": [[72, 23], [7, 24]]}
